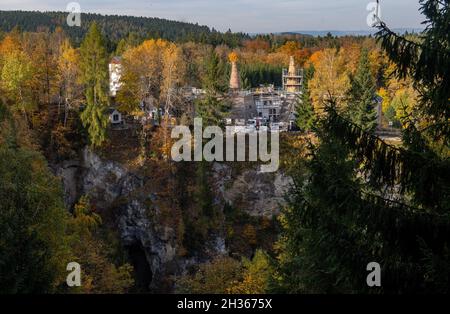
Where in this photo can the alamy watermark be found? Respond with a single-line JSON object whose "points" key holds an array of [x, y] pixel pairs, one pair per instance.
{"points": [[73, 279], [374, 16], [256, 149], [374, 277], [74, 16]]}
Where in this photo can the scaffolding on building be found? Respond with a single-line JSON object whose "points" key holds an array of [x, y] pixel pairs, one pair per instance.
{"points": [[292, 78], [292, 82]]}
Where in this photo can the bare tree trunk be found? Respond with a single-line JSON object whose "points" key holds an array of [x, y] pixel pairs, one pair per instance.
{"points": [[24, 111], [66, 105]]}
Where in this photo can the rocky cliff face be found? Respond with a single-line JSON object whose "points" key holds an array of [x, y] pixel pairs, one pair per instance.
{"points": [[259, 194], [109, 184], [152, 246]]}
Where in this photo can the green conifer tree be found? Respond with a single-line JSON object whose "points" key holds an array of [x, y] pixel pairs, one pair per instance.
{"points": [[94, 68], [33, 243], [213, 107], [362, 109], [305, 115]]}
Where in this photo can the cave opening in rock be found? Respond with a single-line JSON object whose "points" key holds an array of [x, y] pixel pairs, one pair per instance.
{"points": [[142, 271]]}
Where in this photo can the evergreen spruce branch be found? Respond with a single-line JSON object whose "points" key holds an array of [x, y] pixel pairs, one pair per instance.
{"points": [[385, 32], [401, 222], [400, 50], [428, 62], [383, 202], [414, 58], [385, 164]]}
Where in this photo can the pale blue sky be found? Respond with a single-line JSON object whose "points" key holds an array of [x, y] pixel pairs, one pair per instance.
{"points": [[246, 15]]}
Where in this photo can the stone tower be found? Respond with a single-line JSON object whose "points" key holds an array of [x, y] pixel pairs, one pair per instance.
{"points": [[292, 69], [234, 79], [291, 81], [235, 82]]}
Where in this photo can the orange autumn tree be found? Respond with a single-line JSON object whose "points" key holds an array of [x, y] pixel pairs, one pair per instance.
{"points": [[315, 57], [9, 44], [256, 45], [351, 55], [233, 57], [293, 48]]}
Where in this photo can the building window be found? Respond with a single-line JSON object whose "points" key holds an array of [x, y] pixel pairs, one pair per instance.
{"points": [[115, 117]]}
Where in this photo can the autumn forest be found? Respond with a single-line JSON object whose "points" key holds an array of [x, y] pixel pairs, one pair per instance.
{"points": [[86, 174]]}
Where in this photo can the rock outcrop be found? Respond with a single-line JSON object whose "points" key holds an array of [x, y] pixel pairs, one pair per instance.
{"points": [[112, 186], [153, 246], [257, 193]]}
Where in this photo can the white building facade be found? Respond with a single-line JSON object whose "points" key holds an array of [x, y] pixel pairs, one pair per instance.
{"points": [[115, 72]]}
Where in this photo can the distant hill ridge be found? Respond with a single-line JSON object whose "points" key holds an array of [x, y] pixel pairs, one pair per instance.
{"points": [[116, 27], [350, 32]]}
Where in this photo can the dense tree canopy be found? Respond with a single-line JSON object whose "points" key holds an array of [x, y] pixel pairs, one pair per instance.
{"points": [[362, 200], [119, 27], [33, 219], [355, 198]]}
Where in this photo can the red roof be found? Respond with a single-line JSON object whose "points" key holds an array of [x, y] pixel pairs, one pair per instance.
{"points": [[116, 60]]}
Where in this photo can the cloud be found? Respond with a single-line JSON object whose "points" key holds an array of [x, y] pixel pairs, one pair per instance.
{"points": [[246, 15]]}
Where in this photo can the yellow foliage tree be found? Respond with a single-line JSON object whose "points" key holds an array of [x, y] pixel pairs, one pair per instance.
{"points": [[68, 77], [258, 272], [16, 81], [142, 74], [330, 79], [216, 277], [173, 73], [229, 276], [290, 48], [100, 275]]}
